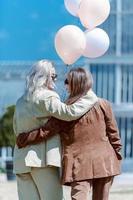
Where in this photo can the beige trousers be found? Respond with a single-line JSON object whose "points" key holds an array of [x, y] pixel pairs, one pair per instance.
{"points": [[100, 189], [40, 184]]}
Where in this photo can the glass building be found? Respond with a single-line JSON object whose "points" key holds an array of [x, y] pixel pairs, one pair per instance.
{"points": [[112, 73]]}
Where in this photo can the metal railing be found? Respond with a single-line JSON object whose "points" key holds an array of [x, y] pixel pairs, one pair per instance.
{"points": [[6, 154]]}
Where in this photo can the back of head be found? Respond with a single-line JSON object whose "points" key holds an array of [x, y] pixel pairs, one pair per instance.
{"points": [[39, 78], [80, 81]]}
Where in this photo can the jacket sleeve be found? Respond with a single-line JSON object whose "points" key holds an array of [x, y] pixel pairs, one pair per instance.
{"points": [[43, 133], [59, 110], [54, 107], [112, 128]]}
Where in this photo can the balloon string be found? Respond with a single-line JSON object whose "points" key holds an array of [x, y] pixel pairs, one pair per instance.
{"points": [[64, 94], [68, 66], [67, 69]]}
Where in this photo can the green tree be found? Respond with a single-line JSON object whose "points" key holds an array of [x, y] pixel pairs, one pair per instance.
{"points": [[7, 136]]}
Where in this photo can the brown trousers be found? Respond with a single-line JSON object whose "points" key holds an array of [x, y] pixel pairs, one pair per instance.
{"points": [[100, 189]]}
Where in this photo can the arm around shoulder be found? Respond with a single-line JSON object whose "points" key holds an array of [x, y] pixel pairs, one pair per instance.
{"points": [[60, 110]]}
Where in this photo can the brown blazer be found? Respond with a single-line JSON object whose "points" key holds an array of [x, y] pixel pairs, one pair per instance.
{"points": [[90, 145], [91, 149]]}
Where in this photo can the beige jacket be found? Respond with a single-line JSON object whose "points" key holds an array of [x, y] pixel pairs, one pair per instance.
{"points": [[29, 116]]}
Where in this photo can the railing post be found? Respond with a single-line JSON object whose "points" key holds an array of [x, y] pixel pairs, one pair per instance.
{"points": [[118, 76], [118, 51]]}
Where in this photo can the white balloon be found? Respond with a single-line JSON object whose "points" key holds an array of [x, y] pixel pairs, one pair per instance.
{"points": [[72, 6], [92, 13], [70, 43], [97, 43]]}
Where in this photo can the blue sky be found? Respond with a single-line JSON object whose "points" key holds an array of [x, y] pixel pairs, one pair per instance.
{"points": [[28, 28]]}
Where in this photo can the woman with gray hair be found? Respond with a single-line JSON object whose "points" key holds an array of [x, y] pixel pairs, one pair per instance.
{"points": [[36, 166]]}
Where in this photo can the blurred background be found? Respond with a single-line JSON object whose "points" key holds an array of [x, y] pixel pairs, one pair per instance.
{"points": [[27, 31]]}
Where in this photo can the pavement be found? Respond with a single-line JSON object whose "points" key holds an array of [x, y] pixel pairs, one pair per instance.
{"points": [[122, 188]]}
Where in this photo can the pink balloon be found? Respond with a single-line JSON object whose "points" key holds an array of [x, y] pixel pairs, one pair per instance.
{"points": [[70, 43], [97, 43], [72, 6], [92, 13]]}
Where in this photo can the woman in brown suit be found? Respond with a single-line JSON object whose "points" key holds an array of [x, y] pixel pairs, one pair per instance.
{"points": [[90, 145]]}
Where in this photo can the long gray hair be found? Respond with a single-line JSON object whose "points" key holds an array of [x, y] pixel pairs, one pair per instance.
{"points": [[38, 79]]}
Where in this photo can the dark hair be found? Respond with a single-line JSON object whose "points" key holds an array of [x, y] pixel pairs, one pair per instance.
{"points": [[80, 81]]}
